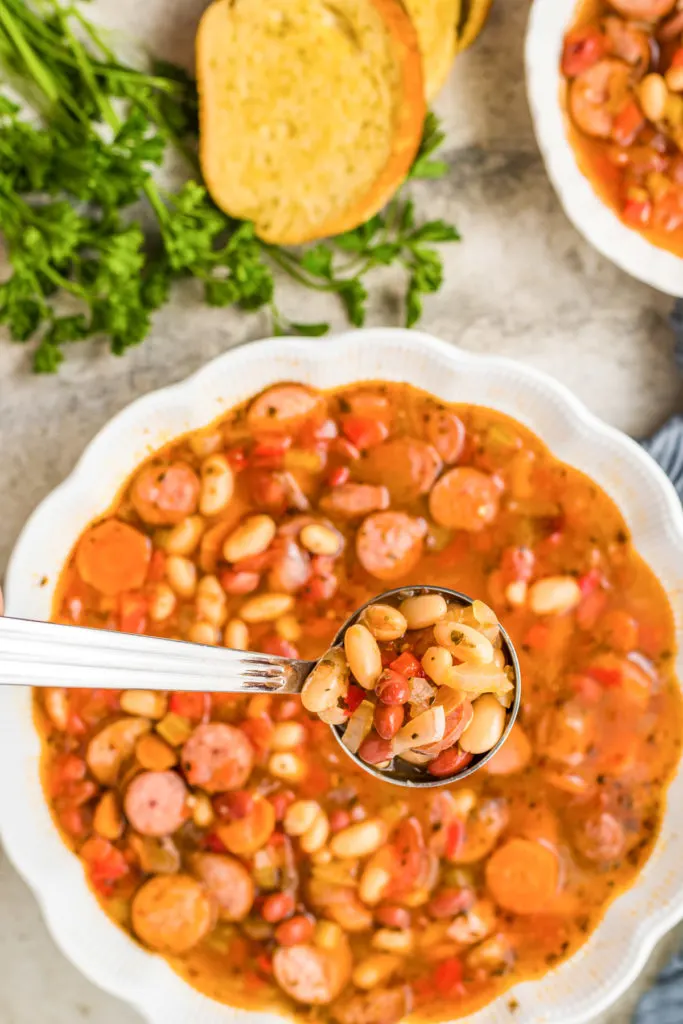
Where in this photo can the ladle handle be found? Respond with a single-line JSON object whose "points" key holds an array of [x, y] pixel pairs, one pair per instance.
{"points": [[49, 654]]}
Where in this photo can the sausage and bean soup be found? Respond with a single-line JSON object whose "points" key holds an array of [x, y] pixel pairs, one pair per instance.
{"points": [[623, 62], [234, 837], [420, 686]]}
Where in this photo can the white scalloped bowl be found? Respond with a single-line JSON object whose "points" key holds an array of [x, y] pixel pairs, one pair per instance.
{"points": [[548, 22], [614, 955]]}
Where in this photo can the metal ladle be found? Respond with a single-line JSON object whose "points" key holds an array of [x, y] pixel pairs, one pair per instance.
{"points": [[47, 654]]}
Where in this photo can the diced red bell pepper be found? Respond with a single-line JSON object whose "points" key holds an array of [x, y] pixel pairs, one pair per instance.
{"points": [[157, 567], [132, 613], [677, 59], [590, 581], [609, 677], [448, 976], [363, 431], [455, 832], [260, 731], [628, 122], [270, 454], [106, 864], [517, 564], [342, 446], [538, 636], [237, 457], [320, 588], [408, 665], [339, 476], [279, 647], [637, 212], [195, 706], [583, 47], [354, 697]]}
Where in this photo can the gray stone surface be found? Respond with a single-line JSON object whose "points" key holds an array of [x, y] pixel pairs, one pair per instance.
{"points": [[522, 283]]}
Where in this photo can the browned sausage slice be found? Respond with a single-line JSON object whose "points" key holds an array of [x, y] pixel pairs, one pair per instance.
{"points": [[284, 408], [229, 881], [163, 494], [310, 975], [407, 466], [389, 544], [217, 757], [464, 499], [291, 567], [446, 432], [601, 838], [155, 803], [352, 501], [382, 1006], [172, 913]]}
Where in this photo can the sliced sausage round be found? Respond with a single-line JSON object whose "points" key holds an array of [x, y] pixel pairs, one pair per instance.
{"points": [[409, 467], [601, 838], [156, 803], [310, 975], [172, 913], [163, 494], [229, 882], [389, 544], [290, 567], [381, 1006], [284, 408], [464, 499], [217, 757], [446, 432], [351, 501]]}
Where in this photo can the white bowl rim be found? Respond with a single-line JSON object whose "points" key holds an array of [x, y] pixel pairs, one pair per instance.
{"points": [[548, 21], [107, 956]]}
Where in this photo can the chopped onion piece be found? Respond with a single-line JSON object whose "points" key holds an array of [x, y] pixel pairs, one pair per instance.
{"points": [[416, 757], [478, 679], [428, 727], [360, 724], [421, 693]]}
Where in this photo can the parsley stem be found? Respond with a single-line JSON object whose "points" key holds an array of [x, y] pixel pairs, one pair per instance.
{"points": [[33, 65]]}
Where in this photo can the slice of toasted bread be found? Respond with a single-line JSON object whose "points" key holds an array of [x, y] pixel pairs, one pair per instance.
{"points": [[434, 21], [311, 112]]}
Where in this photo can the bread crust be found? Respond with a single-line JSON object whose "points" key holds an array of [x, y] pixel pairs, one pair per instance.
{"points": [[436, 30], [409, 111]]}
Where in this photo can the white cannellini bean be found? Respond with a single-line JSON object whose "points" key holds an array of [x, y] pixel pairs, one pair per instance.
{"points": [[287, 735], [328, 681], [384, 622], [162, 602], [205, 442], [486, 727], [359, 839], [181, 573], [465, 643], [373, 883], [210, 601], [56, 703], [424, 610], [516, 592], [183, 538], [287, 766], [236, 635], [203, 633], [390, 940], [146, 703], [266, 607], [363, 655], [436, 662], [320, 540], [554, 595], [252, 537], [300, 816], [328, 935], [374, 970], [289, 628], [217, 485], [315, 837]]}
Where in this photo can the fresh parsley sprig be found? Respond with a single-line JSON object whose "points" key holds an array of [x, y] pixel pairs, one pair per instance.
{"points": [[82, 266]]}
